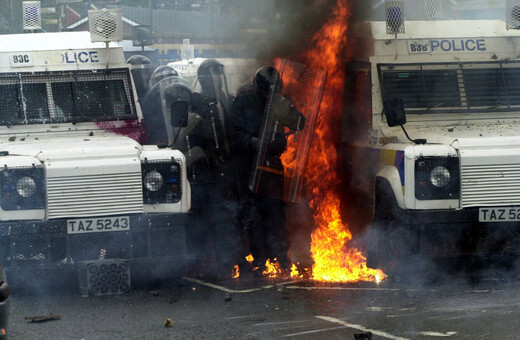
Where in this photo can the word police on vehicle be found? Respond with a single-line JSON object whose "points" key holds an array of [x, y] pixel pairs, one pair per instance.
{"points": [[447, 45], [80, 57]]}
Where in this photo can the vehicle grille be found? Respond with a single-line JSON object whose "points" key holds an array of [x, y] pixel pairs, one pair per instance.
{"points": [[490, 185], [99, 246], [156, 242], [94, 195], [167, 242]]}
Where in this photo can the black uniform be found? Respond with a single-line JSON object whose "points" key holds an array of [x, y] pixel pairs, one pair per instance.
{"points": [[263, 216], [214, 194]]}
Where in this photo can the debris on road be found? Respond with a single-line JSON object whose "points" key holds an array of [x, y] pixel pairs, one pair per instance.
{"points": [[284, 292], [42, 318], [227, 297], [363, 336], [168, 323]]}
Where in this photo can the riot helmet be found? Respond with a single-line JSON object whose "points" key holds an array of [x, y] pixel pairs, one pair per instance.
{"points": [[177, 92], [210, 74], [141, 69], [162, 72], [264, 78]]}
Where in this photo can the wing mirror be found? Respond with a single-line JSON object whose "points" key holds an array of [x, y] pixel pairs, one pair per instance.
{"points": [[394, 112], [179, 113]]}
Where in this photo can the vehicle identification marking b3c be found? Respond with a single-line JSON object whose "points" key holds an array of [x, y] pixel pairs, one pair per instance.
{"points": [[20, 59]]}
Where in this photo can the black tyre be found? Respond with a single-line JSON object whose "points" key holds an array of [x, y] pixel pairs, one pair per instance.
{"points": [[390, 241]]}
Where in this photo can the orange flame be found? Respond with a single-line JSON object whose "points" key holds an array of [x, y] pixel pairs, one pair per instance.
{"points": [[295, 272], [250, 258], [272, 269], [236, 271], [333, 259]]}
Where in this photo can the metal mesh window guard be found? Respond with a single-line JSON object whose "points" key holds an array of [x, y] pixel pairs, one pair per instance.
{"points": [[513, 14], [394, 11], [32, 15], [433, 9], [80, 96], [453, 87]]}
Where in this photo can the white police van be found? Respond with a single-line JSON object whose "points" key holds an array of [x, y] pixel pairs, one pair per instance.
{"points": [[432, 122], [77, 182]]}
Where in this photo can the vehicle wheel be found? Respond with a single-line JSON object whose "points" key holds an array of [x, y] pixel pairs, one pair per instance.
{"points": [[388, 244]]}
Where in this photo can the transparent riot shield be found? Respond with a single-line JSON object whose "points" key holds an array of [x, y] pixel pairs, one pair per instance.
{"points": [[157, 112], [287, 130], [212, 102]]}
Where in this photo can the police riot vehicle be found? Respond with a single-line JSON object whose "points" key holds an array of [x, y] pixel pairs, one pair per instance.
{"points": [[78, 184], [432, 134]]}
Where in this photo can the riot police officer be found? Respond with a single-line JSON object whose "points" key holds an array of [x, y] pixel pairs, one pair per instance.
{"points": [[162, 72], [157, 124], [141, 69], [214, 183], [263, 214]]}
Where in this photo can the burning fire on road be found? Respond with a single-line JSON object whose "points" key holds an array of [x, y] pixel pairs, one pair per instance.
{"points": [[334, 259]]}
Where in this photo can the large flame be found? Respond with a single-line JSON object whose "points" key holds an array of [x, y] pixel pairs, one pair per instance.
{"points": [[334, 259]]}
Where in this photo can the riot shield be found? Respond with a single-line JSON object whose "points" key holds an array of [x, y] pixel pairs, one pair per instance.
{"points": [[157, 112], [212, 102], [287, 129]]}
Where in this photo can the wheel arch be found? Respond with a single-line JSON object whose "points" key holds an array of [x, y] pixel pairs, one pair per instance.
{"points": [[388, 181]]}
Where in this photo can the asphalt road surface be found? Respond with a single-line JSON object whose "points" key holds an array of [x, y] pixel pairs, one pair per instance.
{"points": [[259, 308]]}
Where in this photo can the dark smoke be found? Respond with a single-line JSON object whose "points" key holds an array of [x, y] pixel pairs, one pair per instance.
{"points": [[289, 26]]}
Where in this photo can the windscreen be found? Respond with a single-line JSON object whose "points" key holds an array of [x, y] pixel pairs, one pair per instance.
{"points": [[453, 87], [53, 97]]}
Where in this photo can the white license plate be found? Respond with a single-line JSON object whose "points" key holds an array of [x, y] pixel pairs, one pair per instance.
{"points": [[98, 224], [504, 214]]}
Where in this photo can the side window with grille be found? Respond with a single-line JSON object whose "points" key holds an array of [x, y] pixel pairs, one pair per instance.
{"points": [[36, 102], [462, 87], [10, 103], [24, 103], [71, 96], [91, 100], [428, 90], [64, 102]]}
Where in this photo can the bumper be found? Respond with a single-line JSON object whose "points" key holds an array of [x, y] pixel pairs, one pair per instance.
{"points": [[458, 232], [154, 245]]}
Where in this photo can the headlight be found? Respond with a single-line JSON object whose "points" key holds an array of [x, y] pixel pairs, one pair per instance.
{"points": [[437, 178], [161, 181], [22, 188], [153, 180], [440, 176], [26, 186]]}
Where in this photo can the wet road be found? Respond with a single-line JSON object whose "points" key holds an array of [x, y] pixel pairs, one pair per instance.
{"points": [[277, 309]]}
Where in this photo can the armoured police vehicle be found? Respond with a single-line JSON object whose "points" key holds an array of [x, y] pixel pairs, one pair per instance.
{"points": [[431, 128], [78, 185]]}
